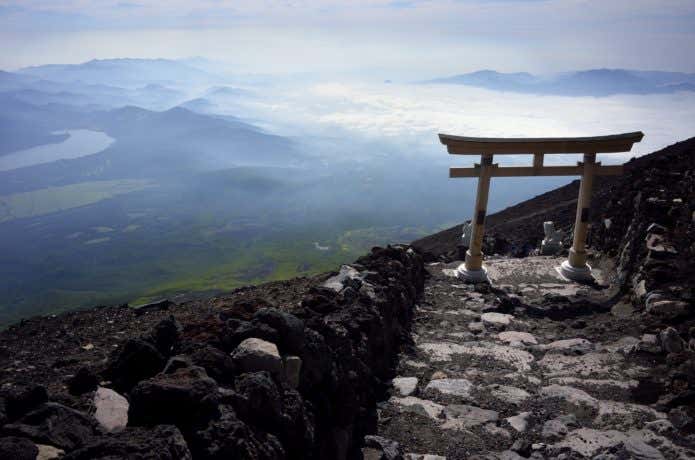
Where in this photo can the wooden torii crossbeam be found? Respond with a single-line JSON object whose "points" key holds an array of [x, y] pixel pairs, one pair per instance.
{"points": [[575, 268]]}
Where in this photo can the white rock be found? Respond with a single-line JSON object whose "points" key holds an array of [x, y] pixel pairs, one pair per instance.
{"points": [[601, 383], [346, 274], [577, 346], [508, 393], [496, 319], [510, 455], [411, 456], [588, 442], [496, 431], [514, 337], [405, 385], [627, 414], [519, 422], [558, 427], [578, 398], [255, 354], [48, 452], [476, 327], [456, 387], [421, 406], [589, 365], [111, 409], [514, 357], [416, 364], [640, 450], [462, 416]]}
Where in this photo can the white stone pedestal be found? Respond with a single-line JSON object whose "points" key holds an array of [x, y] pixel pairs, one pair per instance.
{"points": [[474, 276], [579, 274]]}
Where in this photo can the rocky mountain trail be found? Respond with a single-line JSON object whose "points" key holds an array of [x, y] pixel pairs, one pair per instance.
{"points": [[488, 377]]}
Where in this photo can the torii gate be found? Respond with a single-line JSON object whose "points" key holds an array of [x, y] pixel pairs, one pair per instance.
{"points": [[575, 268]]}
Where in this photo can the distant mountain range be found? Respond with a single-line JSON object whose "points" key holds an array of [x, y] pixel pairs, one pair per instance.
{"points": [[594, 82], [124, 72]]}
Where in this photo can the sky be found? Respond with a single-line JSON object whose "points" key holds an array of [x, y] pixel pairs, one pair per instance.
{"points": [[395, 39]]}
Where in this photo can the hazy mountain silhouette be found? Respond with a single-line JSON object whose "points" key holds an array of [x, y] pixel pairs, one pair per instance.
{"points": [[123, 72], [594, 82]]}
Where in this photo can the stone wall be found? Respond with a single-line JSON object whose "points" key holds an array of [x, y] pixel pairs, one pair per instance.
{"points": [[247, 381]]}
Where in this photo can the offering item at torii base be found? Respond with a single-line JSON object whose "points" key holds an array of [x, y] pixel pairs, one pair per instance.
{"points": [[552, 243], [575, 268]]}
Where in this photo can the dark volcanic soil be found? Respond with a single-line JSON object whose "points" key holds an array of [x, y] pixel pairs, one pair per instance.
{"points": [[50, 350]]}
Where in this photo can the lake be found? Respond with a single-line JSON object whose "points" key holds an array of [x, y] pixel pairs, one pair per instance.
{"points": [[82, 142]]}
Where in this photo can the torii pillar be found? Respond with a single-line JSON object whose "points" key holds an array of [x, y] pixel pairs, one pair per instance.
{"points": [[575, 267]]}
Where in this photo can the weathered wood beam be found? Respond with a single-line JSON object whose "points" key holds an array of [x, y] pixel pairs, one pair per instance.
{"points": [[461, 145], [519, 171]]}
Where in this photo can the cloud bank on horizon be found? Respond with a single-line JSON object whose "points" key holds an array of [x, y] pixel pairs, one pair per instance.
{"points": [[408, 117], [399, 38]]}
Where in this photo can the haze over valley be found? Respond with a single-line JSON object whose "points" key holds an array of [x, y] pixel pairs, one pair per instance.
{"points": [[152, 151], [132, 180]]}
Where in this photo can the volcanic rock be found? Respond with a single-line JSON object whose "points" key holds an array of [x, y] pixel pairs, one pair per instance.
{"points": [[85, 380], [162, 442], [227, 437], [54, 424], [165, 335], [181, 398], [405, 385], [218, 364], [261, 403], [137, 360], [19, 398], [15, 448], [289, 327]]}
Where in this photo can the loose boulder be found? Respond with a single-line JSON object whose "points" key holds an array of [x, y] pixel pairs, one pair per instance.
{"points": [[163, 442], [56, 425], [111, 409], [83, 381], [254, 355], [20, 398], [137, 361], [182, 398], [12, 447], [289, 327]]}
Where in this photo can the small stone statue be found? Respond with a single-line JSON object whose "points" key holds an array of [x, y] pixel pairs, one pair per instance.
{"points": [[466, 235], [552, 243]]}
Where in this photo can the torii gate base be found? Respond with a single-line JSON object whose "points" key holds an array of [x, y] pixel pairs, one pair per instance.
{"points": [[575, 267], [579, 274], [474, 276]]}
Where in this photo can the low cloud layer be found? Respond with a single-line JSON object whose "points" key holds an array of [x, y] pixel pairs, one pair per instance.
{"points": [[410, 116]]}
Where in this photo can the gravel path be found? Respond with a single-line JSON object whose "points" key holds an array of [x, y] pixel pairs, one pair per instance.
{"points": [[491, 375]]}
